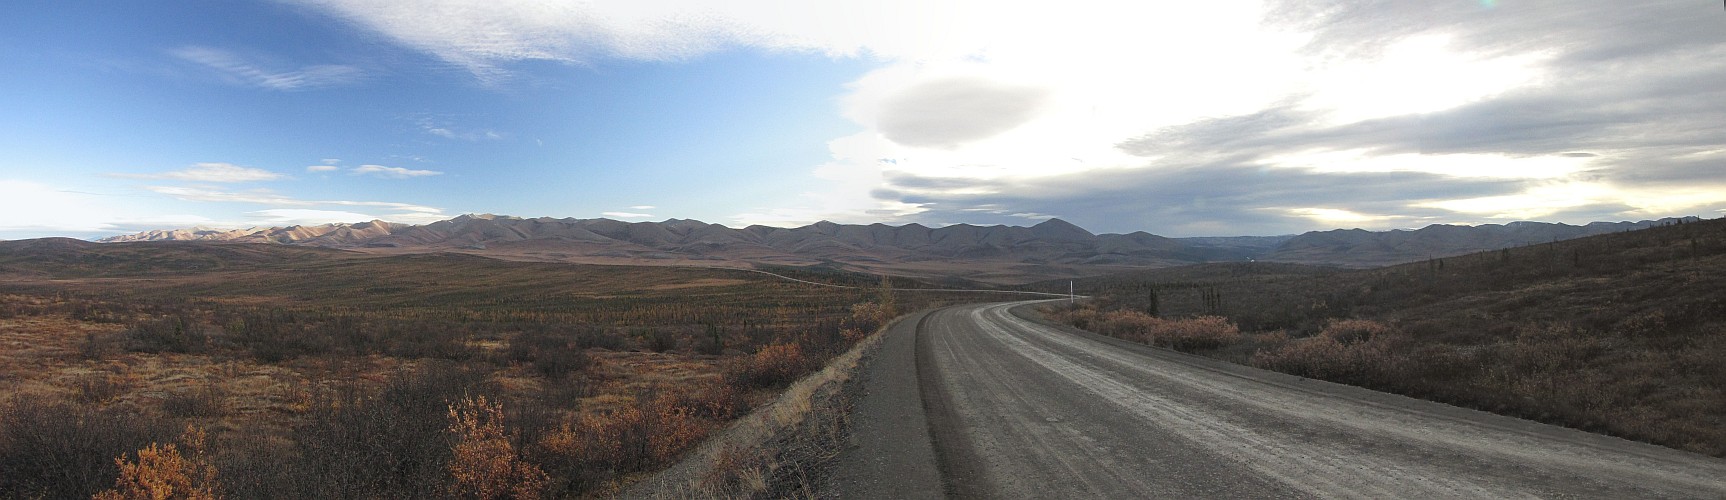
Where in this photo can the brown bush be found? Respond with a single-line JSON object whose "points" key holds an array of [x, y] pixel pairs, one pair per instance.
{"points": [[54, 449], [1186, 334], [773, 366], [484, 464], [99, 388], [715, 400], [206, 401], [1359, 352], [656, 339], [1191, 334], [393, 443], [645, 436], [1130, 325], [179, 334], [868, 316], [1354, 331], [550, 355], [162, 473], [97, 345]]}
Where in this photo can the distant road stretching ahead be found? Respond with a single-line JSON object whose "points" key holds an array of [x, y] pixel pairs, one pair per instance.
{"points": [[1017, 409]]}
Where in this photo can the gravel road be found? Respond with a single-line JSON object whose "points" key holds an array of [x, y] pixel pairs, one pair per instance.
{"points": [[1016, 408]]}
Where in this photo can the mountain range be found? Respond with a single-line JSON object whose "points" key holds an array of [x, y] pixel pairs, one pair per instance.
{"points": [[1001, 254]]}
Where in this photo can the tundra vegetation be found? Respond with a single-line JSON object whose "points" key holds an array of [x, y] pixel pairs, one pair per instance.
{"points": [[1621, 334], [167, 370]]}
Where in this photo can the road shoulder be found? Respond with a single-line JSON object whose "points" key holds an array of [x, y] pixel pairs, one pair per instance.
{"points": [[889, 453]]}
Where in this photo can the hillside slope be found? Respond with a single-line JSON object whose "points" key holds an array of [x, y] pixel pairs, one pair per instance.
{"points": [[1618, 333], [1362, 249]]}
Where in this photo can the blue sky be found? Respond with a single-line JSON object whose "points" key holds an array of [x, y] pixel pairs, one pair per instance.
{"points": [[1214, 118]]}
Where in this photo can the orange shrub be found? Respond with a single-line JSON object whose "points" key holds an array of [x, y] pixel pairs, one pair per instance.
{"points": [[672, 427], [162, 473], [1354, 331], [1203, 332], [640, 437], [484, 465], [869, 315], [772, 366]]}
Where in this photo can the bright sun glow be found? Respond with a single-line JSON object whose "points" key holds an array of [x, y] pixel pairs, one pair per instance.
{"points": [[1548, 199], [1419, 74], [1335, 215]]}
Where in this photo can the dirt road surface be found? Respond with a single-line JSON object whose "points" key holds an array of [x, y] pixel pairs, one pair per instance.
{"points": [[1013, 408]]}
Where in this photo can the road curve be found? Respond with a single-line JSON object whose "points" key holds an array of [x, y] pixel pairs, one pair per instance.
{"points": [[1015, 408]]}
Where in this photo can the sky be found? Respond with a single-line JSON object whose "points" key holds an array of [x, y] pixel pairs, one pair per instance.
{"points": [[1213, 118]]}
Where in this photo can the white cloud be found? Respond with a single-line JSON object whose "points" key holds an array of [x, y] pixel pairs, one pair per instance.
{"points": [[642, 207], [301, 216], [211, 172], [626, 215], [323, 168], [207, 193], [473, 135], [392, 172], [398, 212], [1478, 165], [148, 222], [446, 127], [242, 70]]}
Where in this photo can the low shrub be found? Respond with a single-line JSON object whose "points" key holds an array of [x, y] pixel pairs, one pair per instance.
{"points": [[162, 472], [1358, 352], [773, 366], [1354, 331], [712, 341], [599, 447], [1183, 334], [549, 355], [178, 334], [484, 464], [63, 450], [99, 388], [1192, 334], [206, 401], [391, 444], [656, 339], [599, 338]]}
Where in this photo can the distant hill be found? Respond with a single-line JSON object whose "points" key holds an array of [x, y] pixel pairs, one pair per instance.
{"points": [[1000, 254], [1052, 248], [1362, 249]]}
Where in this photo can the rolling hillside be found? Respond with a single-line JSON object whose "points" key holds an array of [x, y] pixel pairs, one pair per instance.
{"points": [[1617, 333]]}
